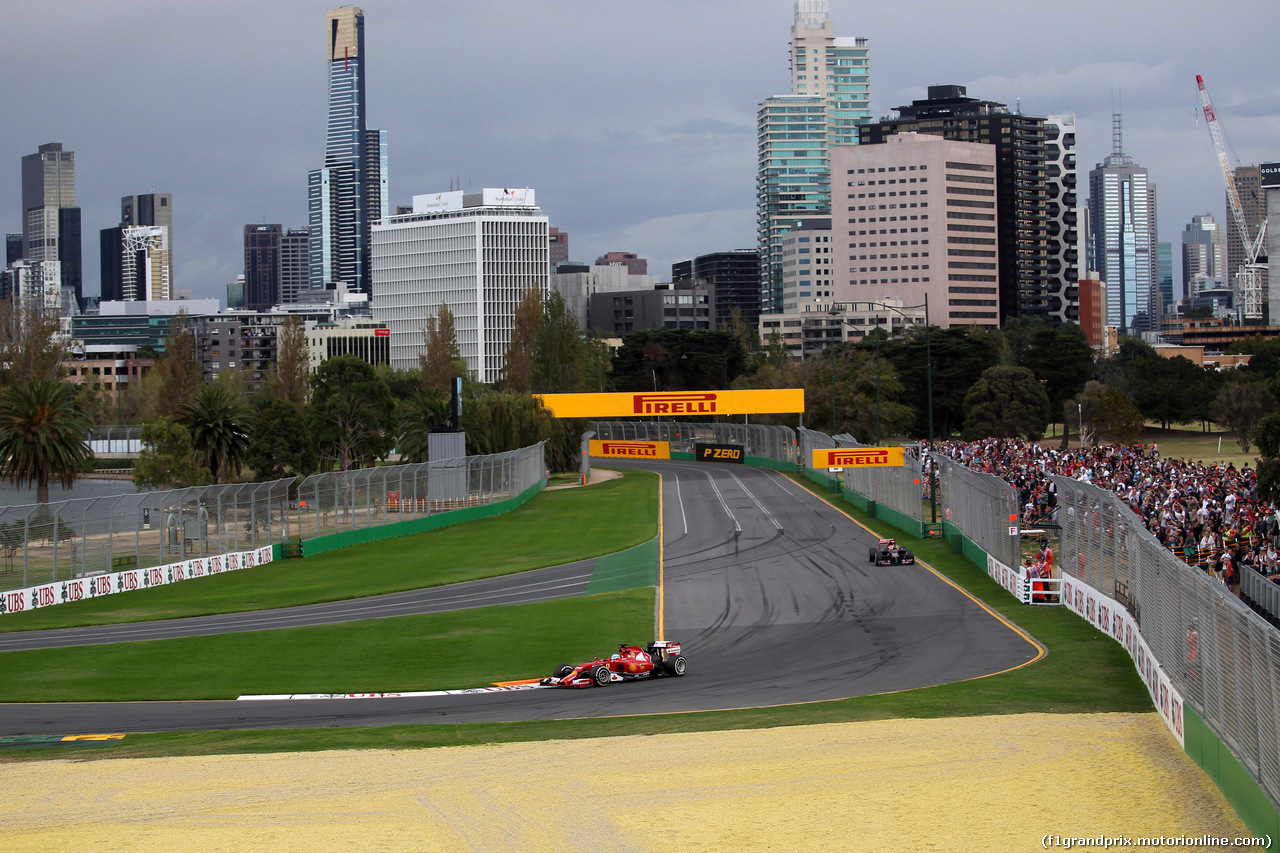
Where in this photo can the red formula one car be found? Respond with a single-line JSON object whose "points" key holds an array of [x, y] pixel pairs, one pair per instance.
{"points": [[887, 553], [629, 663]]}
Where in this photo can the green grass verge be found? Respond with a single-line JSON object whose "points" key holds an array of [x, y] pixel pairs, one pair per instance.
{"points": [[1084, 672], [555, 527], [458, 649]]}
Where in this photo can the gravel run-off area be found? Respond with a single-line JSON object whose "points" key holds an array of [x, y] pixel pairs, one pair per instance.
{"points": [[966, 784]]}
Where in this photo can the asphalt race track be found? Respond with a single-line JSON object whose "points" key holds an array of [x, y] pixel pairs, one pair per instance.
{"points": [[768, 588]]}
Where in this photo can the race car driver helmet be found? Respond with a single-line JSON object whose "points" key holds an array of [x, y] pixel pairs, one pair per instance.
{"points": [[615, 656]]}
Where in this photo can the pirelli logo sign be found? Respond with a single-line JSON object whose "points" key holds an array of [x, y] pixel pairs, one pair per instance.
{"points": [[860, 457], [630, 449], [665, 404]]}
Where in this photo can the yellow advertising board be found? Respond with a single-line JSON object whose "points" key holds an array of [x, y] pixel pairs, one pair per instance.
{"points": [[665, 404], [630, 449], [860, 457]]}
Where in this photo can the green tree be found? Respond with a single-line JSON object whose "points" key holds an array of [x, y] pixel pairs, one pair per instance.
{"points": [[559, 352], [496, 422], [293, 364], [679, 360], [282, 445], [1267, 436], [167, 459], [1006, 402], [1240, 406], [42, 435], [425, 410], [1116, 418], [177, 374], [517, 374], [30, 346], [441, 361], [1062, 358], [219, 428], [959, 356], [351, 413]]}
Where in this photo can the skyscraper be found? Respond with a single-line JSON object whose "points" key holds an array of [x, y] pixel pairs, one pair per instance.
{"points": [[733, 280], [150, 210], [1253, 200], [1204, 252], [349, 192], [1164, 284], [294, 272], [262, 266], [830, 67], [1122, 212], [50, 217], [1034, 204], [830, 96]]}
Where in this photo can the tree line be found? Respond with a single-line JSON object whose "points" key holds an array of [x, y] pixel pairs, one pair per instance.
{"points": [[1013, 381]]}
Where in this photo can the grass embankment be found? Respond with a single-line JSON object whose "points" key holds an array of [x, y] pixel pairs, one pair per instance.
{"points": [[1084, 672], [1182, 441], [458, 649], [555, 527]]}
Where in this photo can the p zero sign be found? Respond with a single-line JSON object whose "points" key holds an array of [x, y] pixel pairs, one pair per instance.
{"points": [[630, 449], [665, 404], [719, 452], [860, 457]]}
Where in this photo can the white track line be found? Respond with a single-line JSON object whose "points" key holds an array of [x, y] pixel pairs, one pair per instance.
{"points": [[757, 502], [410, 695], [737, 528]]}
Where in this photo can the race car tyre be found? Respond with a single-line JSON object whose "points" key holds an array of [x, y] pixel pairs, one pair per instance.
{"points": [[600, 676], [562, 670], [872, 555], [675, 665]]}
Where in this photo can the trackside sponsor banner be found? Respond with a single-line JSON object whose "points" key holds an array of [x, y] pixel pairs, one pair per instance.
{"points": [[96, 586], [1014, 580], [719, 452], [1111, 618], [860, 457], [674, 403], [630, 449]]}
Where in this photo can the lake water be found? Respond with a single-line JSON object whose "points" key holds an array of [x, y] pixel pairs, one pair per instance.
{"points": [[10, 496]]}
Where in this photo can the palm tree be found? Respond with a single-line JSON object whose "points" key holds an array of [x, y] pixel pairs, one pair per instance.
{"points": [[42, 435], [421, 413], [218, 424]]}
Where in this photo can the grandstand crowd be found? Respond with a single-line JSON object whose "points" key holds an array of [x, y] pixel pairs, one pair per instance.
{"points": [[1209, 515]]}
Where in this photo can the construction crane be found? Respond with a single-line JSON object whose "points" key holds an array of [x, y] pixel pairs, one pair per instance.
{"points": [[1249, 278]]}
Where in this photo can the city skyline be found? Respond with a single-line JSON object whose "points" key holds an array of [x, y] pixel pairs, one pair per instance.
{"points": [[625, 154]]}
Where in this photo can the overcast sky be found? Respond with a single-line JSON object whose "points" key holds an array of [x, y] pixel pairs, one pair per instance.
{"points": [[633, 121]]}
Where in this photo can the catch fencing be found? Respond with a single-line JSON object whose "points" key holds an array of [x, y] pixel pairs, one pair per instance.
{"points": [[982, 506], [775, 443], [902, 489], [1223, 658], [45, 543]]}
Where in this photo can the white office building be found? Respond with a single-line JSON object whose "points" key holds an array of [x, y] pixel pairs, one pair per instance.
{"points": [[477, 253]]}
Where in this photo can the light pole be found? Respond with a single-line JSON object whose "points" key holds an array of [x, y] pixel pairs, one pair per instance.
{"points": [[928, 380]]}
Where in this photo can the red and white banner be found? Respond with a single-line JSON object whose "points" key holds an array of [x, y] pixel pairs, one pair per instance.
{"points": [[96, 586], [1014, 580], [1111, 618]]}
